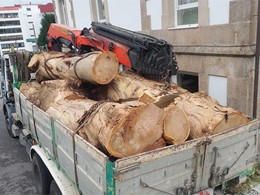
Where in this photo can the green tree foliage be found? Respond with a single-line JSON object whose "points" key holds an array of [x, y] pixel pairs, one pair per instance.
{"points": [[47, 19]]}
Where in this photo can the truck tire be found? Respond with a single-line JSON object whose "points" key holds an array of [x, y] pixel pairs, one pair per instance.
{"points": [[54, 189], [8, 123], [42, 176]]}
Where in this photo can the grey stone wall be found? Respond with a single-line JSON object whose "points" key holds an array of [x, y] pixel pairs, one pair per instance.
{"points": [[222, 50]]}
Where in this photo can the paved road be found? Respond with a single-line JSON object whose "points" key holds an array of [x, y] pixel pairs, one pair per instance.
{"points": [[15, 166]]}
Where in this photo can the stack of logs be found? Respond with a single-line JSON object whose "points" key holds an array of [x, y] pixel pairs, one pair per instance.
{"points": [[122, 114]]}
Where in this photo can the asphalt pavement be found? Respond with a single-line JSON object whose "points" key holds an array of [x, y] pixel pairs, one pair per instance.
{"points": [[15, 166]]}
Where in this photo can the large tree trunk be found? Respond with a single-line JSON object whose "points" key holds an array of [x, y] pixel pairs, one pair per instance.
{"points": [[134, 128], [120, 129], [48, 92], [206, 116], [197, 114], [94, 67], [176, 127], [128, 85]]}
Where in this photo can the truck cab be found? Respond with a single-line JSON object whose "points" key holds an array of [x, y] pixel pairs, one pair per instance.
{"points": [[14, 71]]}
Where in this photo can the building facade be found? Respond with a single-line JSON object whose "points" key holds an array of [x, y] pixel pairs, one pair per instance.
{"points": [[20, 25], [214, 40]]}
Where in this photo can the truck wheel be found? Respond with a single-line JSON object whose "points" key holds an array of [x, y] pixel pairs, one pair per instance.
{"points": [[42, 176], [8, 123], [54, 189]]}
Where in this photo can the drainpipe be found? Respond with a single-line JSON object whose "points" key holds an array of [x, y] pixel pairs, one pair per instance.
{"points": [[257, 49]]}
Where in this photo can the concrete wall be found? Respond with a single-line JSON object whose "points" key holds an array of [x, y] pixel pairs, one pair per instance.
{"points": [[239, 72]]}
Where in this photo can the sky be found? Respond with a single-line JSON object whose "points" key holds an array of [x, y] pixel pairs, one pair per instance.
{"points": [[12, 2]]}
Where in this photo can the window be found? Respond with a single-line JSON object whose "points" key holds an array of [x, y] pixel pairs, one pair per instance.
{"points": [[101, 10], [189, 81], [186, 13], [9, 15], [29, 15], [28, 9], [30, 22], [10, 23], [10, 30], [11, 38], [9, 45]]}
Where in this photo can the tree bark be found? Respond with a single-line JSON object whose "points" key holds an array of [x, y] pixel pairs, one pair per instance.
{"points": [[134, 128], [93, 67], [121, 129], [48, 92], [126, 129], [206, 116], [128, 85]]}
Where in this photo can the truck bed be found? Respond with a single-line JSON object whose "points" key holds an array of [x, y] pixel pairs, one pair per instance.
{"points": [[175, 169]]}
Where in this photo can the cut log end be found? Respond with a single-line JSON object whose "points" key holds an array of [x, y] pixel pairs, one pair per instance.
{"points": [[176, 125], [230, 121], [139, 133], [33, 64], [105, 68]]}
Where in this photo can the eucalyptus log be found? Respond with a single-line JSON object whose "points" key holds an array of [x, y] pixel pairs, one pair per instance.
{"points": [[176, 127], [121, 129], [206, 116], [94, 67], [128, 85], [48, 92], [68, 112]]}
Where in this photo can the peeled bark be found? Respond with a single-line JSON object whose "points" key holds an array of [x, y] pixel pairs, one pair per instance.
{"points": [[48, 92], [126, 129], [69, 111], [206, 116], [94, 67], [128, 84], [121, 129]]}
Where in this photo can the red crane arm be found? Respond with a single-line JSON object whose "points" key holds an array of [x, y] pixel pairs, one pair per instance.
{"points": [[97, 42]]}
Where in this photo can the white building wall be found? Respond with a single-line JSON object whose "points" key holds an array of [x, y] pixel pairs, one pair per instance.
{"points": [[218, 11], [69, 17], [154, 9], [31, 24], [57, 11], [63, 12], [125, 13], [10, 34], [82, 12]]}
